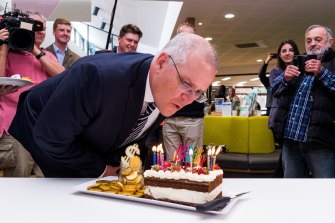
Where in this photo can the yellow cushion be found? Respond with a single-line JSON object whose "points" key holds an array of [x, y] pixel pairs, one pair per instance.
{"points": [[229, 131], [260, 136]]}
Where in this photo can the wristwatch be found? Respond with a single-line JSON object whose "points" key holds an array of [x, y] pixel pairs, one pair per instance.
{"points": [[40, 55]]}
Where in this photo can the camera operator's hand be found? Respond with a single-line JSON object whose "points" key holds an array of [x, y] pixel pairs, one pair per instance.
{"points": [[4, 34], [51, 67], [291, 71], [313, 66]]}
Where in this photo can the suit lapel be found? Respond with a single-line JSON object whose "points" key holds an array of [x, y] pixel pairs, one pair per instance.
{"points": [[67, 58]]}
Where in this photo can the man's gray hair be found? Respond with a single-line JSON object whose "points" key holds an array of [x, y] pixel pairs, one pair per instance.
{"points": [[184, 44], [328, 30], [30, 13]]}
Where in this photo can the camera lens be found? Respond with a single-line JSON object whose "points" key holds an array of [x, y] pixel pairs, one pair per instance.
{"points": [[21, 39]]}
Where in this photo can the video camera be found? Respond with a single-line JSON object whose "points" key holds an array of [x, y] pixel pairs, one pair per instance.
{"points": [[300, 60], [21, 30]]}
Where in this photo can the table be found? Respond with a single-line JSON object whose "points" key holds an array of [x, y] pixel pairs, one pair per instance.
{"points": [[53, 200]]}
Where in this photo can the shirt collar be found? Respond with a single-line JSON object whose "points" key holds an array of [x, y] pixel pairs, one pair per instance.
{"points": [[56, 49], [148, 97]]}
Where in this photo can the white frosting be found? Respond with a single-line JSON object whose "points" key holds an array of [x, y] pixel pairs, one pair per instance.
{"points": [[182, 175], [182, 195], [16, 76]]}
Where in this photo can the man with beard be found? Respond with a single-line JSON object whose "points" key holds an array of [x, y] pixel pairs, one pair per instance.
{"points": [[306, 118], [62, 31]]}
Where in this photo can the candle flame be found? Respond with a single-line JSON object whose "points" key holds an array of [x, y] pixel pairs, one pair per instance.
{"points": [[213, 151], [190, 152], [218, 150], [154, 149], [160, 148]]}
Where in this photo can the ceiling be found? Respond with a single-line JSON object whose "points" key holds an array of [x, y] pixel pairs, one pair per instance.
{"points": [[266, 22]]}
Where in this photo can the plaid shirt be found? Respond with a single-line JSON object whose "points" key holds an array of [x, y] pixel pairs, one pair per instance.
{"points": [[296, 127]]}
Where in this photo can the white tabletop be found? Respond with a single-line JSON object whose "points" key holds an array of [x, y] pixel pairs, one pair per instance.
{"points": [[50, 200]]}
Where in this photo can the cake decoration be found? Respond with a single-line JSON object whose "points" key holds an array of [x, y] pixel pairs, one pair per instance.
{"points": [[130, 182], [184, 180]]}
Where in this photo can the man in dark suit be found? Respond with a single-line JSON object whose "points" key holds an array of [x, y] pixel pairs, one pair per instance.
{"points": [[76, 124], [62, 31]]}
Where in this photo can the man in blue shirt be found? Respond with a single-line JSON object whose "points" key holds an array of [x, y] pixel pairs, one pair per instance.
{"points": [[62, 31], [306, 117]]}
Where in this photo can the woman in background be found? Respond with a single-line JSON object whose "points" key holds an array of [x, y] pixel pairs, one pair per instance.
{"points": [[285, 53]]}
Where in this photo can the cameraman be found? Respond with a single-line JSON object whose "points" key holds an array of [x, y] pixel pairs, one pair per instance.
{"points": [[38, 65], [306, 103]]}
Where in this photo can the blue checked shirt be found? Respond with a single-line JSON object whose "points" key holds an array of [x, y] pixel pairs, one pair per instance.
{"points": [[296, 127]]}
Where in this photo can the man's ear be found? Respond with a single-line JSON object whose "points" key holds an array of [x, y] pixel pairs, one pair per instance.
{"points": [[162, 60], [331, 41]]}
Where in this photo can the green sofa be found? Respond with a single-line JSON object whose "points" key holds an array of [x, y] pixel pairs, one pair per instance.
{"points": [[249, 142]]}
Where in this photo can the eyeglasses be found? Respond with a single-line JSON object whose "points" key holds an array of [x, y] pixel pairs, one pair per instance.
{"points": [[187, 88]]}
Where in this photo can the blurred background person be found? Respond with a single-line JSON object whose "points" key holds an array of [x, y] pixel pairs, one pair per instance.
{"points": [[221, 93], [62, 31], [266, 82], [38, 65], [128, 39], [286, 51], [233, 98]]}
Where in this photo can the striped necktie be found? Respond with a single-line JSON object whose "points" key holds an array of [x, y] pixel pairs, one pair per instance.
{"points": [[140, 123]]}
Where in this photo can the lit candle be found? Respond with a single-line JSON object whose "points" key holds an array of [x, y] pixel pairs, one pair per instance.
{"points": [[208, 159], [190, 153], [154, 155], [216, 153], [162, 155], [158, 156], [174, 156], [212, 157]]}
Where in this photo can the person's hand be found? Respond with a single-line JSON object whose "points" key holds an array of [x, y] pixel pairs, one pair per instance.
{"points": [[36, 50], [4, 34], [313, 66], [7, 89], [269, 58], [290, 72], [111, 171]]}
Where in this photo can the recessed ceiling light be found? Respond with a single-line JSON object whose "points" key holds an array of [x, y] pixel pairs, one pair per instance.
{"points": [[254, 79], [200, 23], [208, 38], [241, 83], [216, 83], [229, 16], [226, 78], [259, 60]]}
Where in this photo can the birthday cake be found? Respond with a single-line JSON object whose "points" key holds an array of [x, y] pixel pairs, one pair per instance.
{"points": [[188, 183]]}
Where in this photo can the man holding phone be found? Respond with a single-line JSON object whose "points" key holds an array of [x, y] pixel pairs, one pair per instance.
{"points": [[305, 117]]}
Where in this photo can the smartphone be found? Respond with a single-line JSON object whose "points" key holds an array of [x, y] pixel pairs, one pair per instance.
{"points": [[274, 55]]}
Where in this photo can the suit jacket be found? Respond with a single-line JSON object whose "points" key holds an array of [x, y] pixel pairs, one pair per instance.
{"points": [[74, 123], [69, 59]]}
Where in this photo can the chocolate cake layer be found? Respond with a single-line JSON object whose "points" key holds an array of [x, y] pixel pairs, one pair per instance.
{"points": [[184, 184]]}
